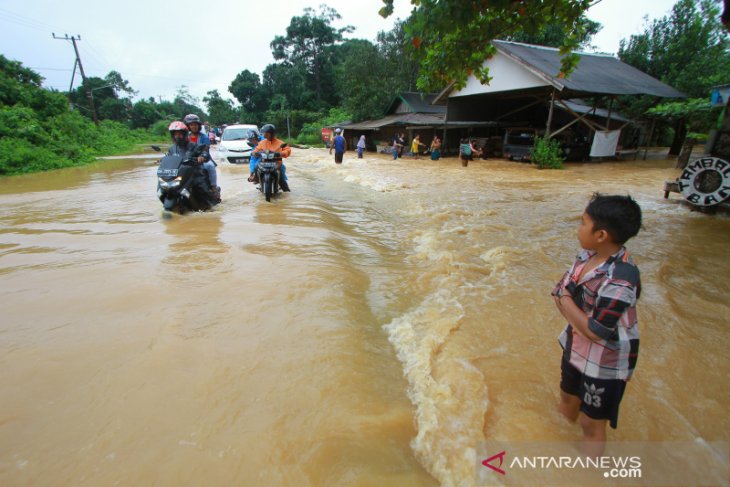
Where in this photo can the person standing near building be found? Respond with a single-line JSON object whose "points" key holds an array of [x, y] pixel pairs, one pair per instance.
{"points": [[360, 146], [339, 144], [416, 146], [435, 148]]}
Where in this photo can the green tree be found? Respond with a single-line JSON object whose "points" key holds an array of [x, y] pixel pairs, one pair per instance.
{"points": [[308, 44], [111, 97], [38, 132], [358, 77], [220, 110], [16, 82], [144, 113], [400, 66], [451, 38], [185, 103], [687, 49], [246, 87], [554, 35], [290, 82]]}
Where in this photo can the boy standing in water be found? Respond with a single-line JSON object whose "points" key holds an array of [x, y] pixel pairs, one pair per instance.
{"points": [[597, 297]]}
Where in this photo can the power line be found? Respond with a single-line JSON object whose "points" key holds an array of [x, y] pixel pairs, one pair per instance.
{"points": [[18, 19], [48, 69]]}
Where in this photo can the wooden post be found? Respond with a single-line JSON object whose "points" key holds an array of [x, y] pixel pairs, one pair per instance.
{"points": [[443, 139], [651, 133], [550, 115], [610, 109]]}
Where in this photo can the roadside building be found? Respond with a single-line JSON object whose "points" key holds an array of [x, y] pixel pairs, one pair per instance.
{"points": [[527, 90]]}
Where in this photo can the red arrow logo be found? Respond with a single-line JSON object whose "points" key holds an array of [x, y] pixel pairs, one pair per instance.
{"points": [[501, 459]]}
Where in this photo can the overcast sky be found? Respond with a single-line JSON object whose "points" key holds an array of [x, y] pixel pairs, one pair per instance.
{"points": [[160, 45]]}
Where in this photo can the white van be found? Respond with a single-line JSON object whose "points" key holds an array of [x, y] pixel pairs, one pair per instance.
{"points": [[237, 142]]}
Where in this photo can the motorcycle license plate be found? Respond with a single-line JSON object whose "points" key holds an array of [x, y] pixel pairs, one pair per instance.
{"points": [[167, 173]]}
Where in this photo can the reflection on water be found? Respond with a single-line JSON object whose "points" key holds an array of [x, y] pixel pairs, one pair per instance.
{"points": [[371, 327]]}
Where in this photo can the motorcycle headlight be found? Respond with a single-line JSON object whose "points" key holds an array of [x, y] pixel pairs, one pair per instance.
{"points": [[170, 184]]}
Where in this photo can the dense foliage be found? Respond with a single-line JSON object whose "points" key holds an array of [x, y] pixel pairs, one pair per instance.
{"points": [[38, 131], [547, 154], [451, 39], [318, 70], [687, 49]]}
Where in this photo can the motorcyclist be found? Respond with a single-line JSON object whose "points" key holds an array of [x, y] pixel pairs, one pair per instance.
{"points": [[196, 154], [196, 136], [272, 144]]}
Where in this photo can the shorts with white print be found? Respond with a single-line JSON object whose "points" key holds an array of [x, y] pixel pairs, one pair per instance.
{"points": [[600, 398]]}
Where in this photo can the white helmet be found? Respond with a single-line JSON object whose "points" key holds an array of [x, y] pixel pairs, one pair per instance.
{"points": [[338, 130]]}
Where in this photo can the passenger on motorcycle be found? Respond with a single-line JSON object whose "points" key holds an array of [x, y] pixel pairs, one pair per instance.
{"points": [[183, 146], [196, 136], [271, 143], [253, 160]]}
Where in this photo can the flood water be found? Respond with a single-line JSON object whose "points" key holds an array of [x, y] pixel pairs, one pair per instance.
{"points": [[369, 328]]}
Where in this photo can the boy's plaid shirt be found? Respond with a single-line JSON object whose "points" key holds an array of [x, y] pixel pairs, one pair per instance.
{"points": [[608, 295]]}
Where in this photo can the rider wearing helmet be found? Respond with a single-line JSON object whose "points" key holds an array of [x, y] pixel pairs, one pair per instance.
{"points": [[271, 143], [196, 136], [183, 146]]}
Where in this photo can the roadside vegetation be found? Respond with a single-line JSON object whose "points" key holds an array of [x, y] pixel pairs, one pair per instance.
{"points": [[39, 132], [547, 154], [321, 78]]}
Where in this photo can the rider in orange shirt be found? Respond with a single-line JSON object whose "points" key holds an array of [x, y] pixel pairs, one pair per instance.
{"points": [[273, 144]]}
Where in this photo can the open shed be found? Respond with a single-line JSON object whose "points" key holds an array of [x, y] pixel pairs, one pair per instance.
{"points": [[526, 89]]}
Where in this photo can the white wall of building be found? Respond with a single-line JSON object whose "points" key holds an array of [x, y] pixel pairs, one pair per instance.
{"points": [[506, 74]]}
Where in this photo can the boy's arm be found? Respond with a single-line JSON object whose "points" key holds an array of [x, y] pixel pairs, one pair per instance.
{"points": [[574, 315], [613, 299]]}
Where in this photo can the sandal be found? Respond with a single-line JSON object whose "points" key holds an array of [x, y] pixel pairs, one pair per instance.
{"points": [[251, 178]]}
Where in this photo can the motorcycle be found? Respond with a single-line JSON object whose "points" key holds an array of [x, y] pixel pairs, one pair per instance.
{"points": [[269, 175], [182, 185]]}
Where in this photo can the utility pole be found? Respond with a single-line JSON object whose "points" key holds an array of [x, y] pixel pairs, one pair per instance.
{"points": [[89, 94]]}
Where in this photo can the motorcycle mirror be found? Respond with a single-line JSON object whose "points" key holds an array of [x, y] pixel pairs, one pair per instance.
{"points": [[156, 148]]}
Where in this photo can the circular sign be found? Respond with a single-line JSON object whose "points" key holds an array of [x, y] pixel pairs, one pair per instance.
{"points": [[705, 181]]}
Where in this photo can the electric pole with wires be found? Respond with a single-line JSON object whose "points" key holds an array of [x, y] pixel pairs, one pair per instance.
{"points": [[89, 94]]}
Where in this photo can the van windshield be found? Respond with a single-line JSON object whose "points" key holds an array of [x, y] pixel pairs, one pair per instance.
{"points": [[239, 134]]}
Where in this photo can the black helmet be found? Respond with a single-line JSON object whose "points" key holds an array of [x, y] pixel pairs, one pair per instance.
{"points": [[269, 127], [191, 118]]}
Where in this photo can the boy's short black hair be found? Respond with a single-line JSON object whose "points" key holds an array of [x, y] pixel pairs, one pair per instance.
{"points": [[619, 215]]}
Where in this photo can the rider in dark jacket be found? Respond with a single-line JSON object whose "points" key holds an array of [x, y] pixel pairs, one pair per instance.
{"points": [[193, 154]]}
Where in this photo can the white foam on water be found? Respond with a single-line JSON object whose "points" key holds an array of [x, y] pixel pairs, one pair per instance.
{"points": [[450, 405]]}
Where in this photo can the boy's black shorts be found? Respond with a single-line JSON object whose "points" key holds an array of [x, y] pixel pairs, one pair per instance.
{"points": [[338, 157], [600, 398]]}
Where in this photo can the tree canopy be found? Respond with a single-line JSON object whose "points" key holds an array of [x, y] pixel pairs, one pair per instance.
{"points": [[687, 49], [452, 38], [308, 46]]}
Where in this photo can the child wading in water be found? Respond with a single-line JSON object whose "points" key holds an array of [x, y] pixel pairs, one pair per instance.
{"points": [[597, 297]]}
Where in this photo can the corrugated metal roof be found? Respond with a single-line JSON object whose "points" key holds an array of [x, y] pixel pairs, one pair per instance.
{"points": [[579, 106], [399, 119], [416, 103], [596, 74]]}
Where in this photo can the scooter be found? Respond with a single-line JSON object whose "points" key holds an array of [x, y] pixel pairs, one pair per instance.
{"points": [[269, 175], [182, 185]]}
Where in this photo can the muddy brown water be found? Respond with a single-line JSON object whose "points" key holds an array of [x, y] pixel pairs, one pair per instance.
{"points": [[369, 328]]}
